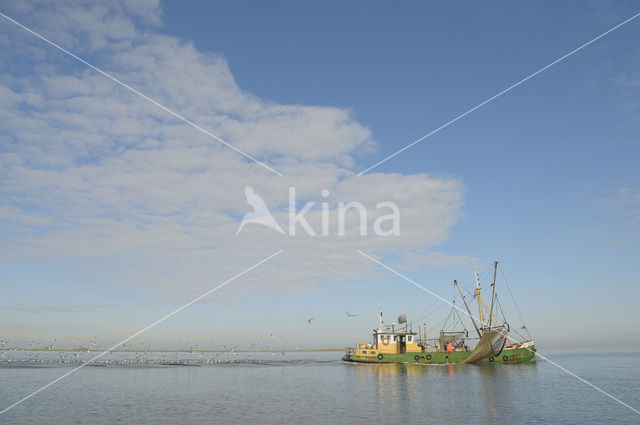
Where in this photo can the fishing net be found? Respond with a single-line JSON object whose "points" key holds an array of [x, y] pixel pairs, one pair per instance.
{"points": [[490, 344], [456, 339]]}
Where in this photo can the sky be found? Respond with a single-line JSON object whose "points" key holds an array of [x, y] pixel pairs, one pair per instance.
{"points": [[114, 212]]}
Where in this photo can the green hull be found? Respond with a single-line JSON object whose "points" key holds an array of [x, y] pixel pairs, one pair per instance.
{"points": [[507, 356], [511, 356]]}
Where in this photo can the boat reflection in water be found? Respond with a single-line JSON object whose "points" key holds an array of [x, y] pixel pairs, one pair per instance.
{"points": [[441, 393]]}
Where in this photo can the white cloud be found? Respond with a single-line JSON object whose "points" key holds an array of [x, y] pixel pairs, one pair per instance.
{"points": [[92, 172]]}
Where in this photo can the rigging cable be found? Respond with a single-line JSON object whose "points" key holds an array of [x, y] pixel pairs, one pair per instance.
{"points": [[427, 313], [424, 317], [504, 319], [461, 321], [448, 317], [514, 301]]}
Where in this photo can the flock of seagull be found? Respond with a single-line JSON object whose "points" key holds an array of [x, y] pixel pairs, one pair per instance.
{"points": [[32, 351], [144, 354]]}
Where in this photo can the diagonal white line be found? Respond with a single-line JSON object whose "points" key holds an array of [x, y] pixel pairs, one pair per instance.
{"points": [[164, 108], [397, 273], [142, 330], [500, 94]]}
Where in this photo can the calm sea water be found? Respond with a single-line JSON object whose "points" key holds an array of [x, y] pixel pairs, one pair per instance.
{"points": [[317, 388]]}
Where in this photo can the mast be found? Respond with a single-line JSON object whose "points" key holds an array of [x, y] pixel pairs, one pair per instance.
{"points": [[455, 282], [493, 291], [478, 296], [380, 322]]}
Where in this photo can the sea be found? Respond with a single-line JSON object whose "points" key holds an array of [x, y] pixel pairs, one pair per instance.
{"points": [[319, 388]]}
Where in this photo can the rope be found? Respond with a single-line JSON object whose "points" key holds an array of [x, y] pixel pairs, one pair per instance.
{"points": [[448, 317], [428, 316], [426, 312], [504, 319], [514, 301]]}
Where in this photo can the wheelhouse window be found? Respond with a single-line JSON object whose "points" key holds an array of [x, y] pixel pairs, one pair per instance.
{"points": [[409, 338]]}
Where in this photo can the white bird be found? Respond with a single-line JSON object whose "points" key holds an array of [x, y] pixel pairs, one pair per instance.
{"points": [[260, 213], [350, 315], [309, 321]]}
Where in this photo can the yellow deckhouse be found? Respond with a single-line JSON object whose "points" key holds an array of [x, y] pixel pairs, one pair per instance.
{"points": [[386, 340]]}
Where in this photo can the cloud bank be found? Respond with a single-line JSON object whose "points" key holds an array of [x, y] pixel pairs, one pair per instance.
{"points": [[96, 176]]}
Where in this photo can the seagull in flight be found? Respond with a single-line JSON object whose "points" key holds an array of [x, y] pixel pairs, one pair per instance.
{"points": [[309, 321], [349, 315], [260, 213]]}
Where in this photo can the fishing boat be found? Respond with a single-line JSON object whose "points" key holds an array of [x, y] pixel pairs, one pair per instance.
{"points": [[395, 343]]}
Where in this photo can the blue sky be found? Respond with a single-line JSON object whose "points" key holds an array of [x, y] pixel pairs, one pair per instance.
{"points": [[543, 179]]}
